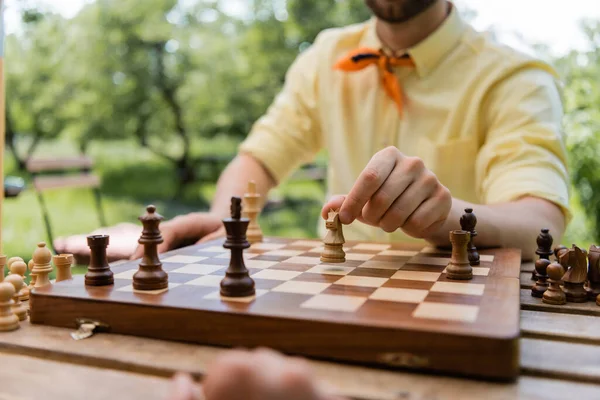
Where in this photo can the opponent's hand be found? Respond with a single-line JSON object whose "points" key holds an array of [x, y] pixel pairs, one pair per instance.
{"points": [[184, 229], [257, 375], [393, 192]]}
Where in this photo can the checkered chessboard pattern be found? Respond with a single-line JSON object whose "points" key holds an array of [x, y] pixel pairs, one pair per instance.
{"points": [[377, 281]]}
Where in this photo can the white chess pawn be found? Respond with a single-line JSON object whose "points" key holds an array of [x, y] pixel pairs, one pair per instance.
{"points": [[8, 320], [17, 307], [18, 267]]}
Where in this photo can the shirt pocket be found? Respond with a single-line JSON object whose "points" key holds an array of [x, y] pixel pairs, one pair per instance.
{"points": [[453, 163]]}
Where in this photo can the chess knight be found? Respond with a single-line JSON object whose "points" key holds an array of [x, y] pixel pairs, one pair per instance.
{"points": [[333, 251]]}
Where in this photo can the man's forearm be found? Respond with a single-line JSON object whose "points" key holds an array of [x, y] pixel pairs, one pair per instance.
{"points": [[234, 182], [515, 224]]}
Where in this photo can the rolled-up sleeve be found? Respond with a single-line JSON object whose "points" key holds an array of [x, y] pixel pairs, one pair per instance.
{"points": [[524, 153], [288, 135]]}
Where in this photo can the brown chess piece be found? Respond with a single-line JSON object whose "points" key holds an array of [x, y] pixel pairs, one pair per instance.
{"points": [[598, 300], [459, 267], [63, 263], [237, 281], [541, 285], [544, 251], [558, 250], [574, 279], [98, 273], [17, 307], [8, 320], [333, 243], [554, 294], [593, 289], [468, 221], [18, 267], [150, 275], [41, 265]]}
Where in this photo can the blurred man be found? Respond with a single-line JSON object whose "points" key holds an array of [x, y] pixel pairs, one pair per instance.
{"points": [[421, 117]]}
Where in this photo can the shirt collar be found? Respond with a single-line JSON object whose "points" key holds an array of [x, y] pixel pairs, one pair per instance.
{"points": [[428, 53]]}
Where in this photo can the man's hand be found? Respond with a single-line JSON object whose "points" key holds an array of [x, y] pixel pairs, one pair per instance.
{"points": [[184, 229], [395, 192], [257, 375]]}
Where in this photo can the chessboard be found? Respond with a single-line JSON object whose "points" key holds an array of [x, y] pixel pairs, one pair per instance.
{"points": [[387, 305]]}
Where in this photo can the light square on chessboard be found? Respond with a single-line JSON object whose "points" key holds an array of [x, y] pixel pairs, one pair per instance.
{"points": [[306, 243], [276, 274], [458, 287], [447, 312], [371, 247], [330, 269], [393, 265], [399, 295], [259, 264], [398, 253], [359, 256], [334, 303], [310, 277], [181, 259], [361, 281], [294, 267], [199, 269], [213, 249], [417, 275], [283, 253], [486, 258], [423, 267], [439, 261], [247, 256], [304, 260], [248, 299], [301, 287], [207, 280], [127, 274], [129, 288], [267, 246]]}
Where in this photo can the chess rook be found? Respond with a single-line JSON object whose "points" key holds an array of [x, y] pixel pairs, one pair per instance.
{"points": [[544, 251], [468, 221], [574, 279], [41, 265], [250, 210], [333, 243], [98, 273], [554, 294], [593, 289], [150, 275], [18, 267], [63, 263], [8, 320], [17, 307], [237, 281], [459, 267], [541, 285]]}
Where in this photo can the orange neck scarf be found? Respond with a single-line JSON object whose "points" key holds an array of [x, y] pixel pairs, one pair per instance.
{"points": [[363, 57]]}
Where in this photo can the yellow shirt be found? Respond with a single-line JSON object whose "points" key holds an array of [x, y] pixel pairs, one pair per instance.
{"points": [[483, 117]]}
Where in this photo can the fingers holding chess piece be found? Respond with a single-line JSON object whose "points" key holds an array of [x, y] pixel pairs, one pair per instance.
{"points": [[17, 307], [554, 294], [8, 320]]}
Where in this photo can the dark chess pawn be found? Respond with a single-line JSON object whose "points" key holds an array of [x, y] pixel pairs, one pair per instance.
{"points": [[468, 221], [554, 294], [593, 289], [541, 285], [150, 274], [544, 251], [237, 281]]}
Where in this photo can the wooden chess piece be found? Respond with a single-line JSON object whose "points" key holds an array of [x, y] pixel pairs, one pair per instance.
{"points": [[63, 263], [251, 210], [98, 273], [541, 285], [32, 276], [150, 274], [468, 221], [333, 243], [41, 265], [8, 320], [593, 289], [554, 294], [9, 264], [18, 267], [2, 263], [598, 300], [459, 267], [17, 307], [237, 281], [544, 251], [574, 279], [558, 250]]}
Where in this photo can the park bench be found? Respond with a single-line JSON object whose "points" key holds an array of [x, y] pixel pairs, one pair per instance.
{"points": [[63, 173]]}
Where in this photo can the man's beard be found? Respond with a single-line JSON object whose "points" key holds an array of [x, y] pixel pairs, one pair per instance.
{"points": [[398, 11]]}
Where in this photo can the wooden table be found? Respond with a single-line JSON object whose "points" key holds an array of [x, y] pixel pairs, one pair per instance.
{"points": [[560, 359]]}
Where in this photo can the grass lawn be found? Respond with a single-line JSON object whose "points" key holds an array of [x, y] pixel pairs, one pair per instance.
{"points": [[134, 177]]}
